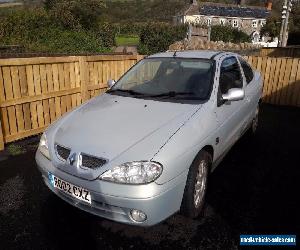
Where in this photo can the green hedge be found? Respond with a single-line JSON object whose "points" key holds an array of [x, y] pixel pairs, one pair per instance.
{"points": [[106, 32], [157, 37], [36, 30], [228, 34]]}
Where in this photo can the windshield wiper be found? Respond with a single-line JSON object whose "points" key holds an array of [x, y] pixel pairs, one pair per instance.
{"points": [[170, 94], [177, 95], [131, 92]]}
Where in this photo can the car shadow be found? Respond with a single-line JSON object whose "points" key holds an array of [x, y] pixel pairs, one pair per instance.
{"points": [[65, 225], [254, 188]]}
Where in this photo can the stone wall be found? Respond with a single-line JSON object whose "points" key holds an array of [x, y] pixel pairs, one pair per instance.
{"points": [[198, 44]]}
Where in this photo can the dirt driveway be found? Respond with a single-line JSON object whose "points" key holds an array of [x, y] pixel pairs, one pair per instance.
{"points": [[255, 190]]}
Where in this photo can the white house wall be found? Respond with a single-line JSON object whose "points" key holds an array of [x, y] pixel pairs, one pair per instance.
{"points": [[244, 24]]}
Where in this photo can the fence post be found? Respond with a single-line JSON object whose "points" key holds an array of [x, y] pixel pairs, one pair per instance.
{"points": [[1, 136], [84, 77]]}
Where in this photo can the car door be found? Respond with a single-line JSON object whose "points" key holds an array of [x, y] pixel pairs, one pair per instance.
{"points": [[230, 114], [251, 90]]}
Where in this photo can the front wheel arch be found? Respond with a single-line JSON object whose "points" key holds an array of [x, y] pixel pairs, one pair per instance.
{"points": [[209, 149], [188, 207]]}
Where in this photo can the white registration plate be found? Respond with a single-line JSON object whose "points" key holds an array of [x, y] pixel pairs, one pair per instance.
{"points": [[70, 189]]}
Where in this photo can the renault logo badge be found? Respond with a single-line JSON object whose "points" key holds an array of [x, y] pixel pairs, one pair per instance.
{"points": [[72, 159]]}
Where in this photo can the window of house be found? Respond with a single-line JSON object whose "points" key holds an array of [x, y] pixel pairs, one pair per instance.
{"points": [[230, 75], [262, 23], [208, 21], [254, 23], [235, 23], [222, 21], [248, 72]]}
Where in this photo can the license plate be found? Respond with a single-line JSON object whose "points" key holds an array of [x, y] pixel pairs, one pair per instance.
{"points": [[70, 189]]}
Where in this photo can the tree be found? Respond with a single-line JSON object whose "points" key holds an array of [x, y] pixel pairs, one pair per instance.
{"points": [[272, 27], [295, 18], [294, 29], [157, 37], [228, 34], [76, 13]]}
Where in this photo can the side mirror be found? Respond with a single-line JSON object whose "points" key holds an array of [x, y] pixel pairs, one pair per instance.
{"points": [[234, 94], [111, 83]]}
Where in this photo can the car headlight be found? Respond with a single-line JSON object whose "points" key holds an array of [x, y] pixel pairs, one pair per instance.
{"points": [[43, 146], [138, 172]]}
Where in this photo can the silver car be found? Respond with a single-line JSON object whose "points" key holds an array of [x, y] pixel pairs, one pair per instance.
{"points": [[143, 150]]}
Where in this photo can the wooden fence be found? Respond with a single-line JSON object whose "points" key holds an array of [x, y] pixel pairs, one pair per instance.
{"points": [[281, 52], [281, 77], [34, 92]]}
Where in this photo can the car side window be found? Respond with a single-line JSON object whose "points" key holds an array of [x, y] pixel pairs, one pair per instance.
{"points": [[230, 75], [248, 72]]}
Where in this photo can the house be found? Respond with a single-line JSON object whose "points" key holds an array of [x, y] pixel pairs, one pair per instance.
{"points": [[245, 18]]}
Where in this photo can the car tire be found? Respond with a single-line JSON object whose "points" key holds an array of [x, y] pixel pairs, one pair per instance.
{"points": [[196, 185]]}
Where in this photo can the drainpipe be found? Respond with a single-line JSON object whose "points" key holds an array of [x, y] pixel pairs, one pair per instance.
{"points": [[286, 24]]}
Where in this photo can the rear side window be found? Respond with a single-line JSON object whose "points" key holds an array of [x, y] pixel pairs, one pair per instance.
{"points": [[248, 72], [230, 76]]}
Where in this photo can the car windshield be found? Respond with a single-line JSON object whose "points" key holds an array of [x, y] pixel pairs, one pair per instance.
{"points": [[167, 78]]}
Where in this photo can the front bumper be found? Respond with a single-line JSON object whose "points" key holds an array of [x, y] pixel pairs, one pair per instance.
{"points": [[158, 202]]}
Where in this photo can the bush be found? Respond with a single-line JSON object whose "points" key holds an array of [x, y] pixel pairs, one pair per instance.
{"points": [[157, 37], [67, 41], [24, 25], [76, 13], [272, 27], [106, 33], [228, 34], [36, 30]]}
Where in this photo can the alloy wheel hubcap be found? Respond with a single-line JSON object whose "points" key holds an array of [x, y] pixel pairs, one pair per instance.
{"points": [[200, 185]]}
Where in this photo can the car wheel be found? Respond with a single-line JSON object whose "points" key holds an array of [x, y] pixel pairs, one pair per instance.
{"points": [[196, 185]]}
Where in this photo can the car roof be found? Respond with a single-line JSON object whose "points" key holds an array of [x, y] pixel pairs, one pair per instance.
{"points": [[204, 54]]}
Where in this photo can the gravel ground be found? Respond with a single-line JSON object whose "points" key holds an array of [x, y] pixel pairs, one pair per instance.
{"points": [[255, 190]]}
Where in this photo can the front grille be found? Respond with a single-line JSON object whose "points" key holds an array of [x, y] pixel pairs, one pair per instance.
{"points": [[92, 162], [63, 152]]}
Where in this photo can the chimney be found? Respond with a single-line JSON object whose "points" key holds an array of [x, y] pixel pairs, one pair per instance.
{"points": [[268, 5]]}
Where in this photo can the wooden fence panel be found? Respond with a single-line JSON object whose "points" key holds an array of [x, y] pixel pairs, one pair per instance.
{"points": [[34, 92], [281, 77], [103, 68], [280, 52]]}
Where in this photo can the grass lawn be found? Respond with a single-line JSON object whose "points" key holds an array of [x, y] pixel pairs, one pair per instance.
{"points": [[123, 40]]}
